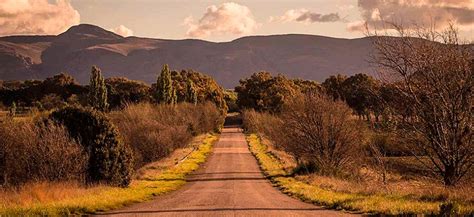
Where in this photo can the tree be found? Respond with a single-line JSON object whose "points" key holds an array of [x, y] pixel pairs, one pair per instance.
{"points": [[206, 88], [434, 75], [164, 87], [29, 92], [333, 86], [191, 95], [97, 90], [360, 92], [12, 111], [109, 159], [264, 92], [230, 97], [122, 91]]}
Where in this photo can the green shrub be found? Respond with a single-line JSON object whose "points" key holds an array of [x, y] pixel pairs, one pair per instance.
{"points": [[110, 161]]}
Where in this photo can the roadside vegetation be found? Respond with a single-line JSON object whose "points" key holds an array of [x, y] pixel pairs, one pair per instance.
{"points": [[66, 198], [366, 196], [88, 149], [398, 145]]}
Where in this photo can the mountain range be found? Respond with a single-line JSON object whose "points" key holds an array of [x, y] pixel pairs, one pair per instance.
{"points": [[76, 50]]}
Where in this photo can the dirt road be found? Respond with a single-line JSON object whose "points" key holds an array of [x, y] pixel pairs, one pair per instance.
{"points": [[230, 183]]}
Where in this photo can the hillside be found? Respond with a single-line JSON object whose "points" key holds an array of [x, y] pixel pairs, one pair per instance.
{"points": [[80, 47]]}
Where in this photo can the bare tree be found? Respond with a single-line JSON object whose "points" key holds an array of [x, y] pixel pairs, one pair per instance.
{"points": [[433, 72], [322, 132]]}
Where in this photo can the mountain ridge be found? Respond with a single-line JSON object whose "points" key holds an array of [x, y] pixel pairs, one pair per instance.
{"points": [[77, 49]]}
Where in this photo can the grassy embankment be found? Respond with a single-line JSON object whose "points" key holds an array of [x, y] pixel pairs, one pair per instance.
{"points": [[68, 198], [324, 190]]}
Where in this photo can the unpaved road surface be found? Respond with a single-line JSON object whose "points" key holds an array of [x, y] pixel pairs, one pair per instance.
{"points": [[230, 183]]}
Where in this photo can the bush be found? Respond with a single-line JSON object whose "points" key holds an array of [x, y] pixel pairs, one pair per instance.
{"points": [[110, 161], [264, 124], [315, 130], [154, 131], [322, 132], [33, 152]]}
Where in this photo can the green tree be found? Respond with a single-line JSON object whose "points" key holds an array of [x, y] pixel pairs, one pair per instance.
{"points": [[360, 93], [206, 88], [230, 97], [165, 92], [122, 91], [191, 95], [264, 92], [333, 86], [174, 97], [110, 160], [97, 90], [12, 111]]}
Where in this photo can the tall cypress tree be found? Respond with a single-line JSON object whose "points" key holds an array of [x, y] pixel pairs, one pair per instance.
{"points": [[97, 90], [191, 95], [174, 97], [164, 87], [12, 111]]}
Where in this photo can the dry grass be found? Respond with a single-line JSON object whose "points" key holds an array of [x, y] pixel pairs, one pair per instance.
{"points": [[154, 131], [369, 195], [65, 198], [422, 190], [155, 168]]}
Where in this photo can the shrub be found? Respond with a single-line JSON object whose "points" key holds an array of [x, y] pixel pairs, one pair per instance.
{"points": [[322, 132], [33, 152], [315, 130], [264, 124], [154, 131], [50, 101], [110, 161]]}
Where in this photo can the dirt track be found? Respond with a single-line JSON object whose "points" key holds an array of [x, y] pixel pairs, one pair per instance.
{"points": [[230, 183]]}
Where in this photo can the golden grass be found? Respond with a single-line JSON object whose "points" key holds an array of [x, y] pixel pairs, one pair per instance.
{"points": [[68, 198], [403, 198]]}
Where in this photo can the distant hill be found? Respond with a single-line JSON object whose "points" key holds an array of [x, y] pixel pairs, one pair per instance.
{"points": [[80, 47]]}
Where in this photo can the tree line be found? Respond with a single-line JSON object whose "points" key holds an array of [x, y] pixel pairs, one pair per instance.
{"points": [[111, 93]]}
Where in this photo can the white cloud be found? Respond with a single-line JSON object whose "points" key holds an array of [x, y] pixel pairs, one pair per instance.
{"points": [[20, 17], [123, 31], [376, 13], [226, 19], [306, 16]]}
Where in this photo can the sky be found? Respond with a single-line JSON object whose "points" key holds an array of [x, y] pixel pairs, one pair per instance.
{"points": [[227, 20]]}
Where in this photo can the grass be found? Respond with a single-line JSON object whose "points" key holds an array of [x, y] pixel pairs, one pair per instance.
{"points": [[323, 191], [58, 199]]}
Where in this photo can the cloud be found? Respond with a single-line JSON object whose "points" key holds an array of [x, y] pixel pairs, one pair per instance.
{"points": [[123, 31], [227, 18], [376, 13], [20, 17], [306, 16]]}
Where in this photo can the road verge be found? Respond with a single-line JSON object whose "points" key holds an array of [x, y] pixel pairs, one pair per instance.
{"points": [[103, 198], [390, 204]]}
